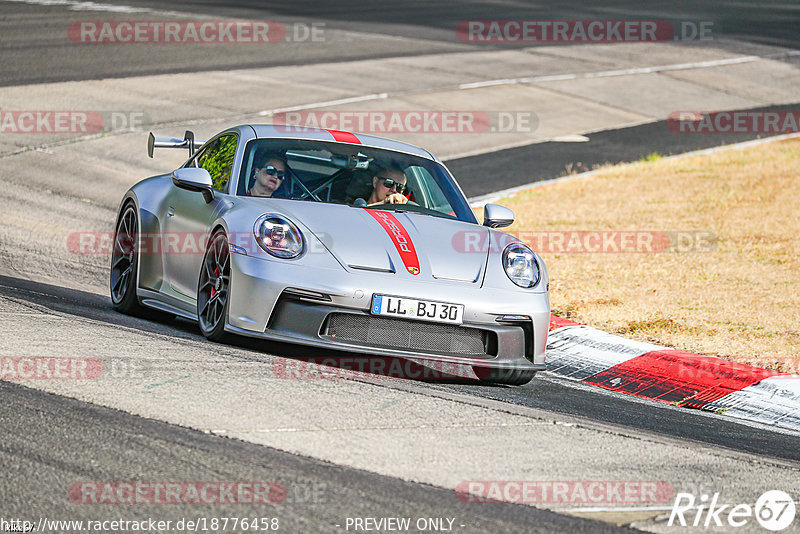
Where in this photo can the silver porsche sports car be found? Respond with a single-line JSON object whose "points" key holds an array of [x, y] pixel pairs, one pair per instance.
{"points": [[335, 240]]}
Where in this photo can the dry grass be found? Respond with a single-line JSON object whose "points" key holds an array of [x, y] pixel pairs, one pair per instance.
{"points": [[739, 301]]}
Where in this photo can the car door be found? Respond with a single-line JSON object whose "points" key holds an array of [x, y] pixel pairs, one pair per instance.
{"points": [[188, 216]]}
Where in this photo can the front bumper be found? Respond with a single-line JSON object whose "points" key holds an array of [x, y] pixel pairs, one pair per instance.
{"points": [[329, 307]]}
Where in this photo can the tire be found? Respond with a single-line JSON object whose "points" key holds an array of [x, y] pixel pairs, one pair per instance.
{"points": [[213, 288], [508, 377], [125, 263]]}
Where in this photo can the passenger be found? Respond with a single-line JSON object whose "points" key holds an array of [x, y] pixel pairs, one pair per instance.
{"points": [[388, 186], [268, 174]]}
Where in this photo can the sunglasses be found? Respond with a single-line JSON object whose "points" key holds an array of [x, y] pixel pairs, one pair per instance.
{"points": [[388, 183], [272, 171]]}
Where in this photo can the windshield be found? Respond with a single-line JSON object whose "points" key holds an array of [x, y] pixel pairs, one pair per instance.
{"points": [[340, 173]]}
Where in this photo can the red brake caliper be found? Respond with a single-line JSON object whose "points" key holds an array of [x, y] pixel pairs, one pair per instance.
{"points": [[214, 289]]}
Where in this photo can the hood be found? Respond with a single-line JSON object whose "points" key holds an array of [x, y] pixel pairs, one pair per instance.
{"points": [[404, 244]]}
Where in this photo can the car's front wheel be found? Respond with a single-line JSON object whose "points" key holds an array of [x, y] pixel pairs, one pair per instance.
{"points": [[124, 262], [508, 377], [213, 287]]}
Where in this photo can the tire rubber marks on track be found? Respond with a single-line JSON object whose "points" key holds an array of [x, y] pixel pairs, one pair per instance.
{"points": [[678, 377], [775, 401], [580, 352]]}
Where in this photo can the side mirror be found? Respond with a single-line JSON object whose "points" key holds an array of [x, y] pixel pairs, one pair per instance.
{"points": [[495, 216], [194, 179]]}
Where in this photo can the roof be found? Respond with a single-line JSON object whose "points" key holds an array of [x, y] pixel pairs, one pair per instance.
{"points": [[301, 132]]}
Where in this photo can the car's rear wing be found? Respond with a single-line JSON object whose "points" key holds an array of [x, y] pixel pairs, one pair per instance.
{"points": [[160, 141]]}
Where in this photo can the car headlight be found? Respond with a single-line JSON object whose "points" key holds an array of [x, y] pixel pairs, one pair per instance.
{"points": [[520, 265], [278, 236]]}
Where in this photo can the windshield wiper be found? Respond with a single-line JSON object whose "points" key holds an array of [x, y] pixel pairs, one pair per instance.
{"points": [[403, 208], [304, 199]]}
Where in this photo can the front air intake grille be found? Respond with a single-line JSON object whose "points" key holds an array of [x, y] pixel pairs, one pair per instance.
{"points": [[410, 335]]}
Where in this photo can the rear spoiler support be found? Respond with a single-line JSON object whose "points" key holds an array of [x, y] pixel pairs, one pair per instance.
{"points": [[160, 141]]}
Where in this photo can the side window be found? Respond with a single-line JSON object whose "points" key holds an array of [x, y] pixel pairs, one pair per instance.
{"points": [[217, 159], [428, 193]]}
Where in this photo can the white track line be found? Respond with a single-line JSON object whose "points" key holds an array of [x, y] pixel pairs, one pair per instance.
{"points": [[631, 71], [314, 105], [75, 5], [508, 81], [599, 509]]}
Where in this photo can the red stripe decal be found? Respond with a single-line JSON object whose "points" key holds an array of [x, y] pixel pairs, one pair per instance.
{"points": [[400, 238], [680, 378], [344, 137]]}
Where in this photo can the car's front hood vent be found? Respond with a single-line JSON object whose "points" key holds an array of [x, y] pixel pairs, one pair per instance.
{"points": [[437, 249]]}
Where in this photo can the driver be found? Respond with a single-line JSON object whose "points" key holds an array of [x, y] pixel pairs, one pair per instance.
{"points": [[388, 186], [268, 174]]}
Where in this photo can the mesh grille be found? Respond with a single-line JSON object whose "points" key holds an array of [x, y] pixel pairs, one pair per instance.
{"points": [[399, 334]]}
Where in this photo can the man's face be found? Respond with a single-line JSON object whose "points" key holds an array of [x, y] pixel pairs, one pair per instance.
{"points": [[397, 179], [271, 181]]}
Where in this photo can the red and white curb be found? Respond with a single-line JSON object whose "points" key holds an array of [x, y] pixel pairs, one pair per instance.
{"points": [[591, 356]]}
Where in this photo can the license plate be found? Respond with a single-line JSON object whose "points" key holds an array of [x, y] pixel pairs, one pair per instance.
{"points": [[421, 310]]}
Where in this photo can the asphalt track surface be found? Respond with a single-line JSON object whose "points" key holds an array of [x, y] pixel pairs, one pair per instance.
{"points": [[52, 440], [36, 48]]}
